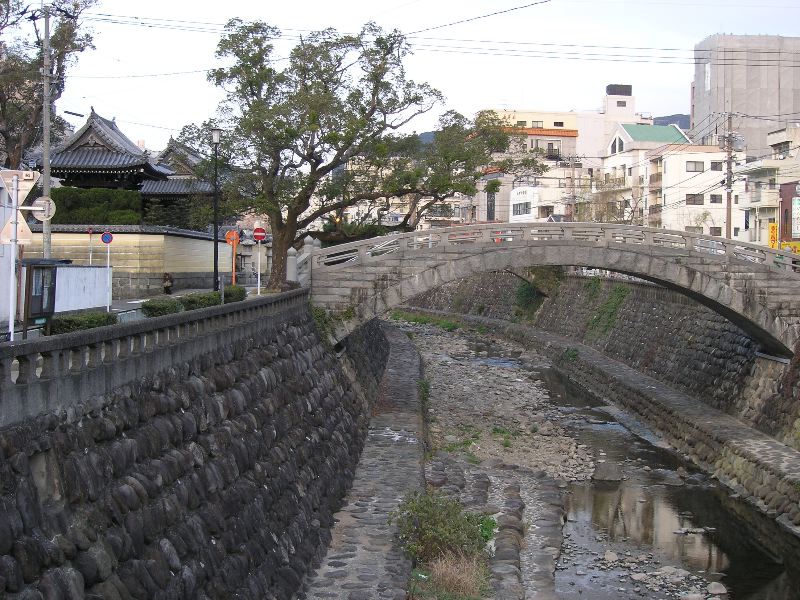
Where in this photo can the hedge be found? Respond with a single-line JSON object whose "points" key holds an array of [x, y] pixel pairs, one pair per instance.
{"points": [[235, 293], [161, 306], [79, 321], [200, 300]]}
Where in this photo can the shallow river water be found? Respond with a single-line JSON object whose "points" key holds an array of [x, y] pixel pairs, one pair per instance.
{"points": [[664, 520]]}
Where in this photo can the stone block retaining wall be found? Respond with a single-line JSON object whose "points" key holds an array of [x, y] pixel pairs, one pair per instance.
{"points": [[216, 477]]}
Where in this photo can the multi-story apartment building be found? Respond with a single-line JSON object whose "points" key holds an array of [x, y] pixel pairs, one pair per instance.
{"points": [[620, 187], [685, 189], [754, 76], [770, 190], [559, 185]]}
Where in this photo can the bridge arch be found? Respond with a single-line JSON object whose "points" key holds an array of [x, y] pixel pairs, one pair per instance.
{"points": [[752, 286]]}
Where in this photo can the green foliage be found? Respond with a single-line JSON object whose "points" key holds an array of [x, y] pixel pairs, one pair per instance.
{"points": [[347, 314], [200, 300], [322, 320], [571, 354], [528, 299], [431, 525], [79, 321], [424, 388], [593, 287], [420, 319], [96, 206], [492, 186], [606, 314], [157, 307], [235, 293]]}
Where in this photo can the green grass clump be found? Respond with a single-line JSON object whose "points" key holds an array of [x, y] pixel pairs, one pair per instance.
{"points": [[443, 322], [431, 525]]}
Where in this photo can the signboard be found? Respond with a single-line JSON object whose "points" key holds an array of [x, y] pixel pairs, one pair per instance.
{"points": [[24, 235], [232, 237], [107, 238], [43, 208], [26, 181], [791, 246], [773, 235], [259, 234], [796, 216]]}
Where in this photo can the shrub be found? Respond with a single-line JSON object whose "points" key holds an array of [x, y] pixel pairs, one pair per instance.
{"points": [[79, 321], [235, 293], [200, 300], [161, 306], [431, 525], [461, 576]]}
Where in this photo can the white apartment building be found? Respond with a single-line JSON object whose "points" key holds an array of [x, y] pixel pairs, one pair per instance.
{"points": [[686, 191]]}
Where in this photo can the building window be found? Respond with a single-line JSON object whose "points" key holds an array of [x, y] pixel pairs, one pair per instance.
{"points": [[521, 208], [522, 123], [630, 170], [490, 198], [694, 166], [716, 165], [736, 199], [694, 200], [614, 146], [620, 145], [771, 184], [735, 231], [715, 199], [717, 231], [693, 229], [558, 123], [622, 103], [537, 124]]}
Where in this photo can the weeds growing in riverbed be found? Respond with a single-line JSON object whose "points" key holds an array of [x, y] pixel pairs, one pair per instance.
{"points": [[444, 323], [447, 544]]}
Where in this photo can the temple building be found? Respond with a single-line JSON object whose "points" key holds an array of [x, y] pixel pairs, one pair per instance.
{"points": [[99, 155]]}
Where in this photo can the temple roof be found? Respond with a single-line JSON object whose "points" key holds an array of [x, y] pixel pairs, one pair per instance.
{"points": [[176, 186], [100, 146]]}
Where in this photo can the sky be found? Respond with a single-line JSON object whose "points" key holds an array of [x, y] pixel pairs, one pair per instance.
{"points": [[148, 67]]}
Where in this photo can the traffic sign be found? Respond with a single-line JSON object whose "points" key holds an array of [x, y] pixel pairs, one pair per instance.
{"points": [[24, 235], [259, 234], [107, 238], [43, 208], [231, 237], [26, 181]]}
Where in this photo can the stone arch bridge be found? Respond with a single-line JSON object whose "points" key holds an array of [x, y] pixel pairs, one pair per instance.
{"points": [[756, 288]]}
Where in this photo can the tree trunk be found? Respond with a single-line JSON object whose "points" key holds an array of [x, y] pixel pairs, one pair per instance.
{"points": [[282, 238]]}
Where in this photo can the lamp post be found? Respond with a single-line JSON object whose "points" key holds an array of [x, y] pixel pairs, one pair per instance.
{"points": [[216, 132]]}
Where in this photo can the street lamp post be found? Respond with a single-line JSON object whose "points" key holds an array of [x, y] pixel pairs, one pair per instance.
{"points": [[215, 136]]}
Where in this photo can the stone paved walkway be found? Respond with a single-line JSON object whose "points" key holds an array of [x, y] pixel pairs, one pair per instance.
{"points": [[363, 560]]}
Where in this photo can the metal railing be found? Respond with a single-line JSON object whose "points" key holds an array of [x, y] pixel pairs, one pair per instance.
{"points": [[596, 233]]}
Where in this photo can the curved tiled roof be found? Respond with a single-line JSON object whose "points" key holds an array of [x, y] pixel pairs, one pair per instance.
{"points": [[176, 187]]}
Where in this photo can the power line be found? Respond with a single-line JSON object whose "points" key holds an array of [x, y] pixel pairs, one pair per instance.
{"points": [[494, 14]]}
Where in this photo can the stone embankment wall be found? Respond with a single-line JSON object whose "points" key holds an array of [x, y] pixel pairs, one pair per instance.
{"points": [[655, 330], [216, 477]]}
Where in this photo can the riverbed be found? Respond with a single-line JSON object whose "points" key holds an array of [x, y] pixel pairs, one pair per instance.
{"points": [[636, 520]]}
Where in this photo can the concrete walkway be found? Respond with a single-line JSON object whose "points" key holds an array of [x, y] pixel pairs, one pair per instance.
{"points": [[364, 561]]}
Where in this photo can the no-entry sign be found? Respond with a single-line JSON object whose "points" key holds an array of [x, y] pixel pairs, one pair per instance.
{"points": [[259, 234]]}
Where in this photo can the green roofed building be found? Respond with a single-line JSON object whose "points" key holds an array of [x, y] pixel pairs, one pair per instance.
{"points": [[663, 134]]}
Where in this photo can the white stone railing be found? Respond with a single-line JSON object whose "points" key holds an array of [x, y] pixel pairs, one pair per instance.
{"points": [[597, 233]]}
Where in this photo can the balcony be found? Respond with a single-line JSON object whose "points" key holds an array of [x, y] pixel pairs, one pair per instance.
{"points": [[656, 179], [764, 197]]}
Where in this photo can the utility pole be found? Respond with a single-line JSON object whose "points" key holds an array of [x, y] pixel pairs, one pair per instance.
{"points": [[46, 68], [729, 176], [572, 189]]}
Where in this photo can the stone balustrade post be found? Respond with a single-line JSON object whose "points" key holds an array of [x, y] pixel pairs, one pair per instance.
{"points": [[291, 265]]}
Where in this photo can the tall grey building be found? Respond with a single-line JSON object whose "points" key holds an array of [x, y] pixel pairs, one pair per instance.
{"points": [[753, 75]]}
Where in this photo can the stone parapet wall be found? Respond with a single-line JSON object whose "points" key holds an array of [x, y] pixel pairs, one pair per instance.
{"points": [[214, 475]]}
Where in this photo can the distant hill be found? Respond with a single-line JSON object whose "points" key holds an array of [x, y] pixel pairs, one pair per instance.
{"points": [[427, 137], [681, 121]]}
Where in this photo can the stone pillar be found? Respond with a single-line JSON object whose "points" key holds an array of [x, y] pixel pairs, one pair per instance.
{"points": [[291, 265]]}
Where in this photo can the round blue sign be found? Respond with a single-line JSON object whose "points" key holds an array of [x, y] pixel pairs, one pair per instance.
{"points": [[107, 237]]}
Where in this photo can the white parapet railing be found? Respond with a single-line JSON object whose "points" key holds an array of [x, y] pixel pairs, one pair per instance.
{"points": [[603, 234]]}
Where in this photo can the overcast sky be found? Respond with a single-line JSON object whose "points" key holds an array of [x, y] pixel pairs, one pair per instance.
{"points": [[558, 55]]}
